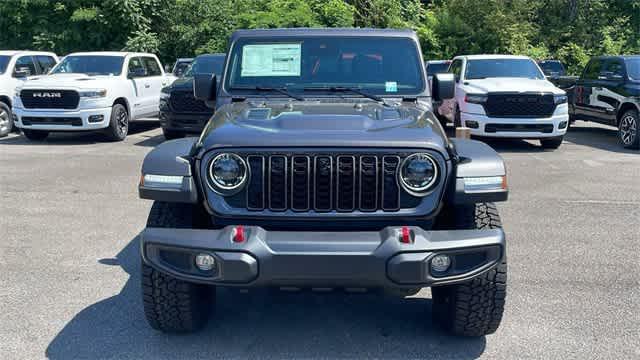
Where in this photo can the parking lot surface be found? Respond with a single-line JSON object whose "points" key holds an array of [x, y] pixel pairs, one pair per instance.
{"points": [[69, 265]]}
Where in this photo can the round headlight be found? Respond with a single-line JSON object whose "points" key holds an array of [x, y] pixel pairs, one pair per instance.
{"points": [[418, 173], [228, 172]]}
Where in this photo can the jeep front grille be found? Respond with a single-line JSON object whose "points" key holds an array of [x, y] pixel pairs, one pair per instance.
{"points": [[323, 183], [50, 99]]}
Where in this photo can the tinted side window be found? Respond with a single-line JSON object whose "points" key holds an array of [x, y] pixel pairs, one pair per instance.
{"points": [[152, 66], [25, 63], [46, 63], [592, 71], [135, 67], [615, 68]]}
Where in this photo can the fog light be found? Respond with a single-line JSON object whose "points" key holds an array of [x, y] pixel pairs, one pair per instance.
{"points": [[562, 125], [205, 262], [440, 263], [96, 118]]}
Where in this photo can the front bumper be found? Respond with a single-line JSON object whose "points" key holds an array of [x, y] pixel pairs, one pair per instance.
{"points": [[322, 259], [60, 120], [522, 128]]}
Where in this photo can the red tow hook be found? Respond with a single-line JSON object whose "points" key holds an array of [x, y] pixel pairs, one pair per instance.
{"points": [[406, 235], [238, 235]]}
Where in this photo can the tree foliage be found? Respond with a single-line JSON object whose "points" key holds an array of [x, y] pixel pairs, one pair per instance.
{"points": [[570, 30]]}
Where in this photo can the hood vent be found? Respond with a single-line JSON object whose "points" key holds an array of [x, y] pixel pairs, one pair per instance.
{"points": [[259, 114], [391, 114]]}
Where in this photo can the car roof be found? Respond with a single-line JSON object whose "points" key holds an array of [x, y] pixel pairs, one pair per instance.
{"points": [[625, 57], [109, 53], [492, 56], [17, 52], [346, 32], [184, 59]]}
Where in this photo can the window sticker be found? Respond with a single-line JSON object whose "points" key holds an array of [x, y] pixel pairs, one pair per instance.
{"points": [[271, 60], [391, 86]]}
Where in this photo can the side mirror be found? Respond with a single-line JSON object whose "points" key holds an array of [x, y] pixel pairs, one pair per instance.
{"points": [[136, 73], [443, 86], [204, 87], [22, 72]]}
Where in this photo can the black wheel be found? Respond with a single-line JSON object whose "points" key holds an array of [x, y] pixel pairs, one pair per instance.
{"points": [[170, 304], [118, 124], [551, 143], [35, 135], [628, 130], [473, 308], [6, 119], [171, 134]]}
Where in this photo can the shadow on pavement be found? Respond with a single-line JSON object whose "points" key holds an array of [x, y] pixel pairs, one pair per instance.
{"points": [[77, 138], [262, 324], [599, 137]]}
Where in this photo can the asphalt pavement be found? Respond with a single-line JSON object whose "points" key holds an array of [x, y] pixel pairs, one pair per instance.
{"points": [[69, 265]]}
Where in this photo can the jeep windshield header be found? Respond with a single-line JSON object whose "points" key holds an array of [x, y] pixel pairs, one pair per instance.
{"points": [[90, 64], [374, 65], [497, 68]]}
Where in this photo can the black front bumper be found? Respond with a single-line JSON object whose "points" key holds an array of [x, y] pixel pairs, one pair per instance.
{"points": [[322, 259], [187, 122]]}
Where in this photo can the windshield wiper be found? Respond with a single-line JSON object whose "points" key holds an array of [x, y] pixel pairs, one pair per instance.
{"points": [[354, 90], [282, 91]]}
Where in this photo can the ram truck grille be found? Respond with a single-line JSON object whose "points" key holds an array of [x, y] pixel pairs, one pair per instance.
{"points": [[185, 102], [50, 99], [324, 183], [520, 105]]}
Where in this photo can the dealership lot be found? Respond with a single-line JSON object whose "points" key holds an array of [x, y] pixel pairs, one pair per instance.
{"points": [[69, 283]]}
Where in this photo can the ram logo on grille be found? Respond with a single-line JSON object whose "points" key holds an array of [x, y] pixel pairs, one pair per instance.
{"points": [[47, 95]]}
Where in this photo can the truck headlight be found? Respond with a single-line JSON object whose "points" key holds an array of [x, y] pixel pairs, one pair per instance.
{"points": [[418, 173], [93, 93], [476, 98], [559, 99], [228, 173]]}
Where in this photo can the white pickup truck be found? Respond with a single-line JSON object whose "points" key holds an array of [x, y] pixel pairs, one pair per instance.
{"points": [[15, 67], [506, 96], [91, 91]]}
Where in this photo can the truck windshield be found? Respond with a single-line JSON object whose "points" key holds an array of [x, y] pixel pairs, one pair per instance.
{"points": [[374, 65], [181, 67], [437, 68], [91, 65], [552, 67], [206, 65], [633, 68], [4, 61], [500, 68]]}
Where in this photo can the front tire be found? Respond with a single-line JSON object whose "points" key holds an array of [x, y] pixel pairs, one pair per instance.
{"points": [[628, 129], [35, 135], [473, 308], [118, 123], [551, 143], [173, 305], [6, 120]]}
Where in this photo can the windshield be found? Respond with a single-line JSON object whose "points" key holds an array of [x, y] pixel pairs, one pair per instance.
{"points": [[633, 68], [497, 68], [181, 67], [384, 66], [551, 67], [207, 65], [4, 61], [91, 65], [437, 68]]}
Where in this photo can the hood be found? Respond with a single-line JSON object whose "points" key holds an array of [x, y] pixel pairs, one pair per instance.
{"points": [[488, 85], [336, 123], [72, 81], [182, 83]]}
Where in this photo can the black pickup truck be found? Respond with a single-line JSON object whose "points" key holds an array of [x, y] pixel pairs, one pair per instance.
{"points": [[608, 92], [324, 168]]}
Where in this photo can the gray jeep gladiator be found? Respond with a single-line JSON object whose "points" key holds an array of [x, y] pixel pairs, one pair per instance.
{"points": [[324, 167]]}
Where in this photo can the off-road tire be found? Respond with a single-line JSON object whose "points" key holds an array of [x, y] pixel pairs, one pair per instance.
{"points": [[172, 134], [35, 135], [473, 308], [551, 143], [629, 129], [6, 119], [118, 123], [170, 304]]}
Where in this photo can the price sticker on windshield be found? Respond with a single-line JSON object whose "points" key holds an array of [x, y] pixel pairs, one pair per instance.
{"points": [[271, 60], [391, 86]]}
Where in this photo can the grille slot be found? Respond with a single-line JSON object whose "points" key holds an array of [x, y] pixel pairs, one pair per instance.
{"points": [[300, 183], [520, 105], [368, 183], [346, 186], [30, 120], [184, 101], [49, 99], [277, 183], [255, 187], [323, 175], [390, 188]]}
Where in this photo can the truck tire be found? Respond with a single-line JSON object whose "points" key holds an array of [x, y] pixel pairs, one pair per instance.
{"points": [[628, 128], [551, 143], [173, 305], [473, 308], [6, 119], [171, 134], [118, 123], [35, 135]]}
